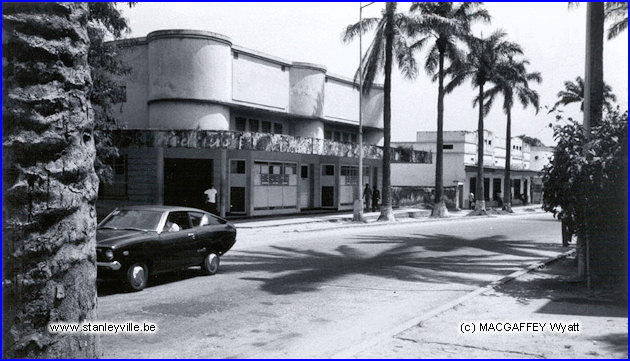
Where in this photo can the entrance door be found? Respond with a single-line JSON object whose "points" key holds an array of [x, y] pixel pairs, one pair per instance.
{"points": [[327, 180], [185, 180], [306, 186]]}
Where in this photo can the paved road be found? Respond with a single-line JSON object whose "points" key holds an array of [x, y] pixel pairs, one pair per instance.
{"points": [[313, 294]]}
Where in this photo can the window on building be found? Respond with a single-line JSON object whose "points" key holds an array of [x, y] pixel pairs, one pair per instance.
{"points": [[328, 169], [266, 126], [118, 186], [447, 146], [304, 171], [349, 174], [489, 142], [237, 167], [277, 128], [253, 125], [240, 124]]}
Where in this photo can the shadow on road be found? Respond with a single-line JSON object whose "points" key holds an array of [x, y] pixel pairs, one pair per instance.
{"points": [[412, 258]]}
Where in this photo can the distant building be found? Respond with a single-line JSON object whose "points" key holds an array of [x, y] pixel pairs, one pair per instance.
{"points": [[273, 136], [460, 166]]}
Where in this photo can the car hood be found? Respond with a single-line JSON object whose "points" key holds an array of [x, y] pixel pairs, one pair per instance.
{"points": [[120, 237]]}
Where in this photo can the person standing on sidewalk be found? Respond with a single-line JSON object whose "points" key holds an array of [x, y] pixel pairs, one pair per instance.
{"points": [[376, 197], [367, 194], [211, 199]]}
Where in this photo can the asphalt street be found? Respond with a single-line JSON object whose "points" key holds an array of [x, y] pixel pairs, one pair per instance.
{"points": [[281, 293]]}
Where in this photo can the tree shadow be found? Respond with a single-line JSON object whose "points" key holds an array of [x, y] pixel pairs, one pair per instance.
{"points": [[565, 296], [294, 270], [615, 342]]}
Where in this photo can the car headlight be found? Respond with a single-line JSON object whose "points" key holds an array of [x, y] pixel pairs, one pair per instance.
{"points": [[109, 254]]}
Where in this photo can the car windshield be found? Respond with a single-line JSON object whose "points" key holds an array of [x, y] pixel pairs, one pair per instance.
{"points": [[143, 220]]}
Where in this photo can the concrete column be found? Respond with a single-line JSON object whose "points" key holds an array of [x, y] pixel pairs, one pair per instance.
{"points": [[159, 175], [223, 186]]}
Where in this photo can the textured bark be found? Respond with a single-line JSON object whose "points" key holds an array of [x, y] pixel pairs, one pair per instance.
{"points": [[480, 202], [387, 214], [439, 208], [49, 183], [507, 184]]}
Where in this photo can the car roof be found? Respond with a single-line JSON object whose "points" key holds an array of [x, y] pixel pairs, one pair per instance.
{"points": [[162, 208]]}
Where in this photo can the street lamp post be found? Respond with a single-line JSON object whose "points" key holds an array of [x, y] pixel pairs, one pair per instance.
{"points": [[358, 206]]}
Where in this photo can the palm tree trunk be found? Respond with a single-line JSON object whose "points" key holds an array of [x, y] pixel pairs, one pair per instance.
{"points": [[439, 209], [507, 185], [593, 102], [387, 214], [480, 203], [49, 183]]}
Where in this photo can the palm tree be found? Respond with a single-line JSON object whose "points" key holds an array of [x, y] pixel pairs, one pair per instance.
{"points": [[618, 13], [389, 40], [480, 65], [445, 23], [49, 184], [573, 92], [511, 80]]}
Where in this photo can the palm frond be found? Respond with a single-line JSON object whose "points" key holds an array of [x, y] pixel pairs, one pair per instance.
{"points": [[352, 31]]}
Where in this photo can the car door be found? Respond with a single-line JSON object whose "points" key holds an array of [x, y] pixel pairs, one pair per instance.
{"points": [[176, 241], [209, 232]]}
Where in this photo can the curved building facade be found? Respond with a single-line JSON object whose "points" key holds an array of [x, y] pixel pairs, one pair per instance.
{"points": [[186, 81]]}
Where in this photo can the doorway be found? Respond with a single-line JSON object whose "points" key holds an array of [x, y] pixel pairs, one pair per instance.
{"points": [[185, 180]]}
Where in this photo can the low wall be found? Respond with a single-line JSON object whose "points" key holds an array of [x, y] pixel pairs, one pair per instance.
{"points": [[416, 196], [207, 139]]}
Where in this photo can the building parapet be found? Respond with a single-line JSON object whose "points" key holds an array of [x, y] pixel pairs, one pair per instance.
{"points": [[214, 139]]}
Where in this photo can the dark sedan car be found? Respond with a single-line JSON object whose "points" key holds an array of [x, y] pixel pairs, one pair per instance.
{"points": [[133, 242]]}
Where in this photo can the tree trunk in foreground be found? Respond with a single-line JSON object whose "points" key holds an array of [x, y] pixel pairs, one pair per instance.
{"points": [[49, 183]]}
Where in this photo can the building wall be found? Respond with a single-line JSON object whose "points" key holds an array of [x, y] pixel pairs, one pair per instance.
{"points": [[134, 113], [260, 82]]}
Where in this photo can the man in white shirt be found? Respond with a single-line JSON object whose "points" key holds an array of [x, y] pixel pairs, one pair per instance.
{"points": [[211, 199]]}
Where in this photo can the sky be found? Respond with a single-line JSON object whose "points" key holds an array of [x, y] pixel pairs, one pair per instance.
{"points": [[552, 36]]}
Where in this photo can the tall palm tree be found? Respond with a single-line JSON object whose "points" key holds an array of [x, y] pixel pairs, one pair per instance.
{"points": [[480, 65], [511, 79], [573, 92], [617, 12], [389, 41], [49, 184], [444, 23]]}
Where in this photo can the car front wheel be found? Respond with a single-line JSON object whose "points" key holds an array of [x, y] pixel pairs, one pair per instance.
{"points": [[210, 264], [137, 276]]}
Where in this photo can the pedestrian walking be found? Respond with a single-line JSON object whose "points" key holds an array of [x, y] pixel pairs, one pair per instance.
{"points": [[367, 195], [211, 199], [376, 198]]}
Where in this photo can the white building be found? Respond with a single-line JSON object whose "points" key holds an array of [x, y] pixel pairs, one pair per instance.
{"points": [[460, 166]]}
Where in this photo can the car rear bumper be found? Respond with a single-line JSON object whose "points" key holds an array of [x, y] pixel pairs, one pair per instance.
{"points": [[114, 266]]}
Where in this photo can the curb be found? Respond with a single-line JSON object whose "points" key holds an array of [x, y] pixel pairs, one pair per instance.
{"points": [[418, 220], [401, 215], [383, 337]]}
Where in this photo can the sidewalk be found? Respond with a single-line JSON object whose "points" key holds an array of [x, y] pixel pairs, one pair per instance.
{"points": [[417, 214], [544, 296]]}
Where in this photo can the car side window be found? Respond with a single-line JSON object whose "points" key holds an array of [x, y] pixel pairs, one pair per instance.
{"points": [[197, 219], [177, 221]]}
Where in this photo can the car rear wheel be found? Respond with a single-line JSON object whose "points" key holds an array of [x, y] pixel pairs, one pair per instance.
{"points": [[137, 276], [210, 264]]}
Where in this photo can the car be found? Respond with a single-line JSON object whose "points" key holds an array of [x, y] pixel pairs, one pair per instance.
{"points": [[137, 241]]}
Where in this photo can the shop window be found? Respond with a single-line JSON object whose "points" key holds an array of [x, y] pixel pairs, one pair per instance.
{"points": [[118, 186], [240, 124], [237, 167], [350, 175], [447, 146]]}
